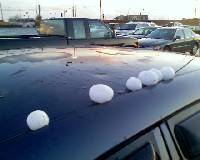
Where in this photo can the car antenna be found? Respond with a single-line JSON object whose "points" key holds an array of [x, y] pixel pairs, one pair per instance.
{"points": [[185, 65]]}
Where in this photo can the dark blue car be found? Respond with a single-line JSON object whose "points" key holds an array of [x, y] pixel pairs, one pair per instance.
{"points": [[155, 122]]}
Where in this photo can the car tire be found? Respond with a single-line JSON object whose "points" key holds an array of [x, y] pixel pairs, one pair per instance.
{"points": [[167, 48], [194, 50]]}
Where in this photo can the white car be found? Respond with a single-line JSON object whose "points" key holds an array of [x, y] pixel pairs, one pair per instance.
{"points": [[126, 29]]}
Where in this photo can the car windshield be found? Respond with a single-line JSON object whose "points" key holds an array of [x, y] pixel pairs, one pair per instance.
{"points": [[167, 34], [144, 31], [140, 31], [126, 26]]}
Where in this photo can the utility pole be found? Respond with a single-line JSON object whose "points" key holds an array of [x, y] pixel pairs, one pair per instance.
{"points": [[39, 8], [100, 7], [75, 11], [195, 12], [1, 11], [195, 8]]}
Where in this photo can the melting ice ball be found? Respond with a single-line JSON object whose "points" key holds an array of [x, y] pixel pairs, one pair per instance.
{"points": [[158, 72], [101, 93], [134, 84], [37, 119], [148, 78], [168, 73]]}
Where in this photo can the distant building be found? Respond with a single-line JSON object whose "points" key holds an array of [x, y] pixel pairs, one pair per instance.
{"points": [[121, 18], [23, 22], [133, 18], [137, 17], [192, 22]]}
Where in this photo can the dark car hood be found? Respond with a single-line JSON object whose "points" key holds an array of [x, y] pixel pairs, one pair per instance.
{"points": [[57, 81], [149, 42]]}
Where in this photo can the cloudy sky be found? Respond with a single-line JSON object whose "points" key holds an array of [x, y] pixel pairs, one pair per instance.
{"points": [[156, 9]]}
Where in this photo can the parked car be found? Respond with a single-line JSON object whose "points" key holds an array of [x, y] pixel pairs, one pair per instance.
{"points": [[156, 122], [61, 32], [129, 28], [176, 39], [174, 24], [142, 32]]}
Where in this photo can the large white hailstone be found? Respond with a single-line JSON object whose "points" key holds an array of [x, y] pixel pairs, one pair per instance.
{"points": [[158, 72], [168, 73], [134, 84], [37, 119], [101, 93], [148, 78]]}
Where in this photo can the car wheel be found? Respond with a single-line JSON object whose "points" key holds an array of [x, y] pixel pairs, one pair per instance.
{"points": [[194, 49], [167, 48]]}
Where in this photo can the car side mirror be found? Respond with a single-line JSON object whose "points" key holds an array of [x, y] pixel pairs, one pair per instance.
{"points": [[177, 38]]}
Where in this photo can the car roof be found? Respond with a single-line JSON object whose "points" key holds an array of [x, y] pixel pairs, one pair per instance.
{"points": [[131, 22], [57, 81], [149, 27], [174, 27]]}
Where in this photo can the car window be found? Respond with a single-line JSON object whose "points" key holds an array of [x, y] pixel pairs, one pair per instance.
{"points": [[140, 31], [142, 25], [188, 33], [149, 146], [143, 31], [145, 152], [132, 26], [165, 33], [122, 27], [148, 31], [187, 134], [98, 30], [186, 131], [79, 29], [180, 33], [126, 26], [52, 27]]}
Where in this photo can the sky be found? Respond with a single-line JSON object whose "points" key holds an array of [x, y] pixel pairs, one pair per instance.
{"points": [[156, 9]]}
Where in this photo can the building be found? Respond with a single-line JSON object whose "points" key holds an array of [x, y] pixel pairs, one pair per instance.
{"points": [[137, 17], [192, 22], [133, 18]]}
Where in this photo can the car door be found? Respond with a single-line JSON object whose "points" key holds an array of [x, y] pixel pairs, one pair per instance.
{"points": [[178, 44], [100, 34], [77, 32], [184, 128], [189, 39]]}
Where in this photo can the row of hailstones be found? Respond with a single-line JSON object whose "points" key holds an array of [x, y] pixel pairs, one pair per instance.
{"points": [[101, 93]]}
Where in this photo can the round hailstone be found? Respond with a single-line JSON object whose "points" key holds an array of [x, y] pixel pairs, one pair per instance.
{"points": [[37, 119], [158, 72], [101, 93], [148, 78], [168, 73], [133, 84]]}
